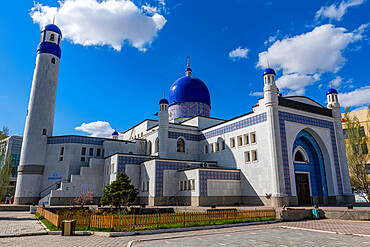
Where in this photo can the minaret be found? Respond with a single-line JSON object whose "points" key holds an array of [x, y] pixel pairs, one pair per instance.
{"points": [[271, 102], [163, 127], [40, 117], [333, 104], [115, 135]]}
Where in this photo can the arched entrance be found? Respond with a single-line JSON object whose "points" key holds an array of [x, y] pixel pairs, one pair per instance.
{"points": [[309, 169]]}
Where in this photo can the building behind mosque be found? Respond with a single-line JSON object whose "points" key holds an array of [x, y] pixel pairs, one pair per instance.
{"points": [[286, 151]]}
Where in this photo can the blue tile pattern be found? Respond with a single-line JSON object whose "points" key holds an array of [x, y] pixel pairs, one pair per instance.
{"points": [[285, 116], [188, 137], [132, 160], [204, 175], [316, 163], [75, 139], [189, 109]]}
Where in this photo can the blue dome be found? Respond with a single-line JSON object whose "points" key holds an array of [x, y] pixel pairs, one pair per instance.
{"points": [[189, 89], [268, 71], [115, 133], [331, 90], [49, 47], [163, 101], [53, 28]]}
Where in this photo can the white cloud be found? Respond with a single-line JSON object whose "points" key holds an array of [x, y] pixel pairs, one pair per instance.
{"points": [[358, 97], [110, 22], [337, 10], [97, 129], [238, 53], [256, 93], [303, 58]]}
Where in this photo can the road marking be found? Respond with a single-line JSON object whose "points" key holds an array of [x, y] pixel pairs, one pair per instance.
{"points": [[221, 244]]}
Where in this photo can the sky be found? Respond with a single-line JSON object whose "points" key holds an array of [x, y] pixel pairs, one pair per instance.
{"points": [[119, 56]]}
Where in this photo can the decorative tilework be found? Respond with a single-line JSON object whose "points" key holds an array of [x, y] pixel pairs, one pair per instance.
{"points": [[168, 165], [204, 175], [189, 109], [235, 126], [222, 130], [316, 163], [124, 160], [75, 139], [285, 116]]}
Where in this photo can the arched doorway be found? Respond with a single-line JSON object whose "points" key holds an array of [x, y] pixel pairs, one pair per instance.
{"points": [[309, 169]]}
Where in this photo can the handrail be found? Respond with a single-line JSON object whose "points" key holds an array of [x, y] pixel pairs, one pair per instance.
{"points": [[58, 182]]}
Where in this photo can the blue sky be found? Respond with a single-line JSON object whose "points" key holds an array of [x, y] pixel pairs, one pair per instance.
{"points": [[119, 56]]}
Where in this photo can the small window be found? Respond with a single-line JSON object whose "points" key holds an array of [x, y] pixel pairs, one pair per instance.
{"points": [[147, 185], [52, 37], [217, 147], [247, 156], [181, 185], [156, 145], [223, 145], [181, 145], [102, 153], [91, 152], [83, 151], [143, 188], [212, 148], [98, 151], [44, 132], [254, 155], [232, 142], [240, 141], [253, 138], [83, 159], [61, 151], [60, 158], [53, 60], [206, 149], [246, 139], [299, 157]]}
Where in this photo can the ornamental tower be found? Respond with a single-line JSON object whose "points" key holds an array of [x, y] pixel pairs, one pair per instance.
{"points": [[40, 116], [163, 127]]}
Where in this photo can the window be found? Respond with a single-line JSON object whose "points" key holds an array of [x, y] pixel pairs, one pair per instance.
{"points": [[187, 185], [223, 145], [83, 151], [247, 156], [91, 152], [212, 148], [240, 141], [52, 37], [217, 147], [102, 153], [254, 155], [44, 132], [147, 185], [299, 156], [246, 139], [253, 138], [149, 148], [53, 60], [60, 158], [181, 185], [157, 145], [98, 150], [83, 159], [143, 188], [232, 142], [206, 149], [61, 151], [181, 145]]}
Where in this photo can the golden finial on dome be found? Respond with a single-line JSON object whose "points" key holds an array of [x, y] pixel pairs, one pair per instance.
{"points": [[188, 61]]}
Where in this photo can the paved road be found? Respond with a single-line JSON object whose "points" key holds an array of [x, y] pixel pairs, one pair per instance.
{"points": [[18, 223], [302, 233]]}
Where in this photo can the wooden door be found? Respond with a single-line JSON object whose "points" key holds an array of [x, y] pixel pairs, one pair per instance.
{"points": [[303, 188]]}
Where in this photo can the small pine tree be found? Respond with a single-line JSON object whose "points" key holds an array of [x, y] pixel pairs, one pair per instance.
{"points": [[119, 193]]}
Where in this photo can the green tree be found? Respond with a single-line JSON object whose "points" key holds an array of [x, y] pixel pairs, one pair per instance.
{"points": [[357, 152], [5, 164], [119, 193]]}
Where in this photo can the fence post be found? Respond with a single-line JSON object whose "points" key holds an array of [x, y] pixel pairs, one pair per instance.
{"points": [[184, 219]]}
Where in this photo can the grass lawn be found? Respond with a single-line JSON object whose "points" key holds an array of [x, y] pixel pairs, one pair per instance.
{"points": [[52, 227]]}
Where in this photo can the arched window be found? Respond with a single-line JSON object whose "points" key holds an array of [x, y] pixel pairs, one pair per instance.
{"points": [[299, 156], [53, 60], [181, 145], [156, 145], [44, 132], [149, 148], [52, 37]]}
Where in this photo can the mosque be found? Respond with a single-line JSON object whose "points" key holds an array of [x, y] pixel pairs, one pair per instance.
{"points": [[286, 151]]}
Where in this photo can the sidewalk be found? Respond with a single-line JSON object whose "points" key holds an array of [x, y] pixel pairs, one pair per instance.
{"points": [[19, 224]]}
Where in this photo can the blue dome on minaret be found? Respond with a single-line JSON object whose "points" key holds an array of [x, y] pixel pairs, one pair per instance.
{"points": [[51, 37], [53, 28], [331, 90], [269, 71]]}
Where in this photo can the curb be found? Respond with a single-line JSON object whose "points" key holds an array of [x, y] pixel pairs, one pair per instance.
{"points": [[323, 231], [23, 234], [172, 230]]}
